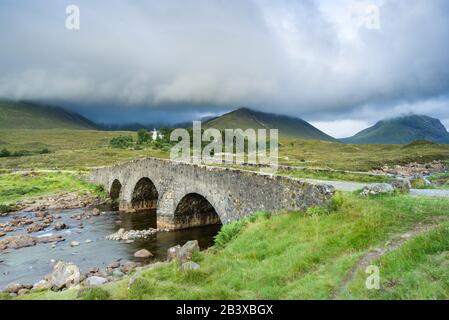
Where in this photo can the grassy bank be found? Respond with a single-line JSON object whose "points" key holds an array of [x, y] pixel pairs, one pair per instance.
{"points": [[299, 255], [19, 186], [357, 157]]}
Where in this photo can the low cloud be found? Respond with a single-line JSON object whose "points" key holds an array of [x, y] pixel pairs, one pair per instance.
{"points": [[314, 59]]}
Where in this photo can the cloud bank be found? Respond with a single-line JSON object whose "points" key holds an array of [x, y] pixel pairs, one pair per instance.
{"points": [[315, 59]]}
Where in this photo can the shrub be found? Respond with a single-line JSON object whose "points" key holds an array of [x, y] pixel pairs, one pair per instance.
{"points": [[4, 153], [19, 191], [143, 136], [21, 153], [95, 293], [229, 232], [6, 208], [121, 142], [333, 205], [418, 143]]}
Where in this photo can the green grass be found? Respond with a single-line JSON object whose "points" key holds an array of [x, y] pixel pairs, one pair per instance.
{"points": [[305, 256], [418, 270], [357, 157], [83, 149], [334, 175], [95, 293], [19, 186], [69, 149], [440, 180]]}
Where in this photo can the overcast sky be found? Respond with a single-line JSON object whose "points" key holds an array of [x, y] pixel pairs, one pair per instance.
{"points": [[333, 63]]}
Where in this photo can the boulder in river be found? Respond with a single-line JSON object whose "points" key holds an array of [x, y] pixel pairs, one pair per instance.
{"points": [[121, 234], [74, 243], [60, 226], [143, 253], [19, 241], [36, 227], [114, 265]]}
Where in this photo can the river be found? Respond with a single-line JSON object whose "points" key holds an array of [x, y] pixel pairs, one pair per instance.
{"points": [[31, 264]]}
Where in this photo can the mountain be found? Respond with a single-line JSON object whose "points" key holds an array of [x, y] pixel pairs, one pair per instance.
{"points": [[27, 115], [402, 130], [245, 118]]}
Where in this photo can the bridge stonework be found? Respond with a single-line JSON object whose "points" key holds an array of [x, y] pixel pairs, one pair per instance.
{"points": [[232, 193]]}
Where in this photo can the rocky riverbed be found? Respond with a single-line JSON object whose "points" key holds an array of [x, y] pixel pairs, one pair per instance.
{"points": [[32, 244], [414, 169], [59, 201], [66, 275]]}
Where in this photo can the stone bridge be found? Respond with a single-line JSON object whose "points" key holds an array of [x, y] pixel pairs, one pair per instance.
{"points": [[186, 195]]}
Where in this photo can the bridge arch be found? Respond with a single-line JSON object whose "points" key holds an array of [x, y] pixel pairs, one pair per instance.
{"points": [[195, 210], [115, 190], [144, 195]]}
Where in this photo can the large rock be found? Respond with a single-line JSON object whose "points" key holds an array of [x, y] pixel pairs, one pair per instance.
{"points": [[377, 188], [187, 250], [23, 291], [173, 253], [36, 227], [60, 226], [41, 285], [114, 265], [402, 185], [184, 253], [20, 241], [13, 288], [74, 243], [143, 253], [95, 281], [65, 275], [190, 265], [128, 267]]}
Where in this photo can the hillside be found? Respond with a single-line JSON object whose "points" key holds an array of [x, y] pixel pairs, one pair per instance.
{"points": [[24, 115], [313, 255], [402, 130], [244, 118]]}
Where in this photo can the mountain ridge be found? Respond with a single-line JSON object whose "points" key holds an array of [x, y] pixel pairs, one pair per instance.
{"points": [[245, 118], [30, 115], [402, 130]]}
